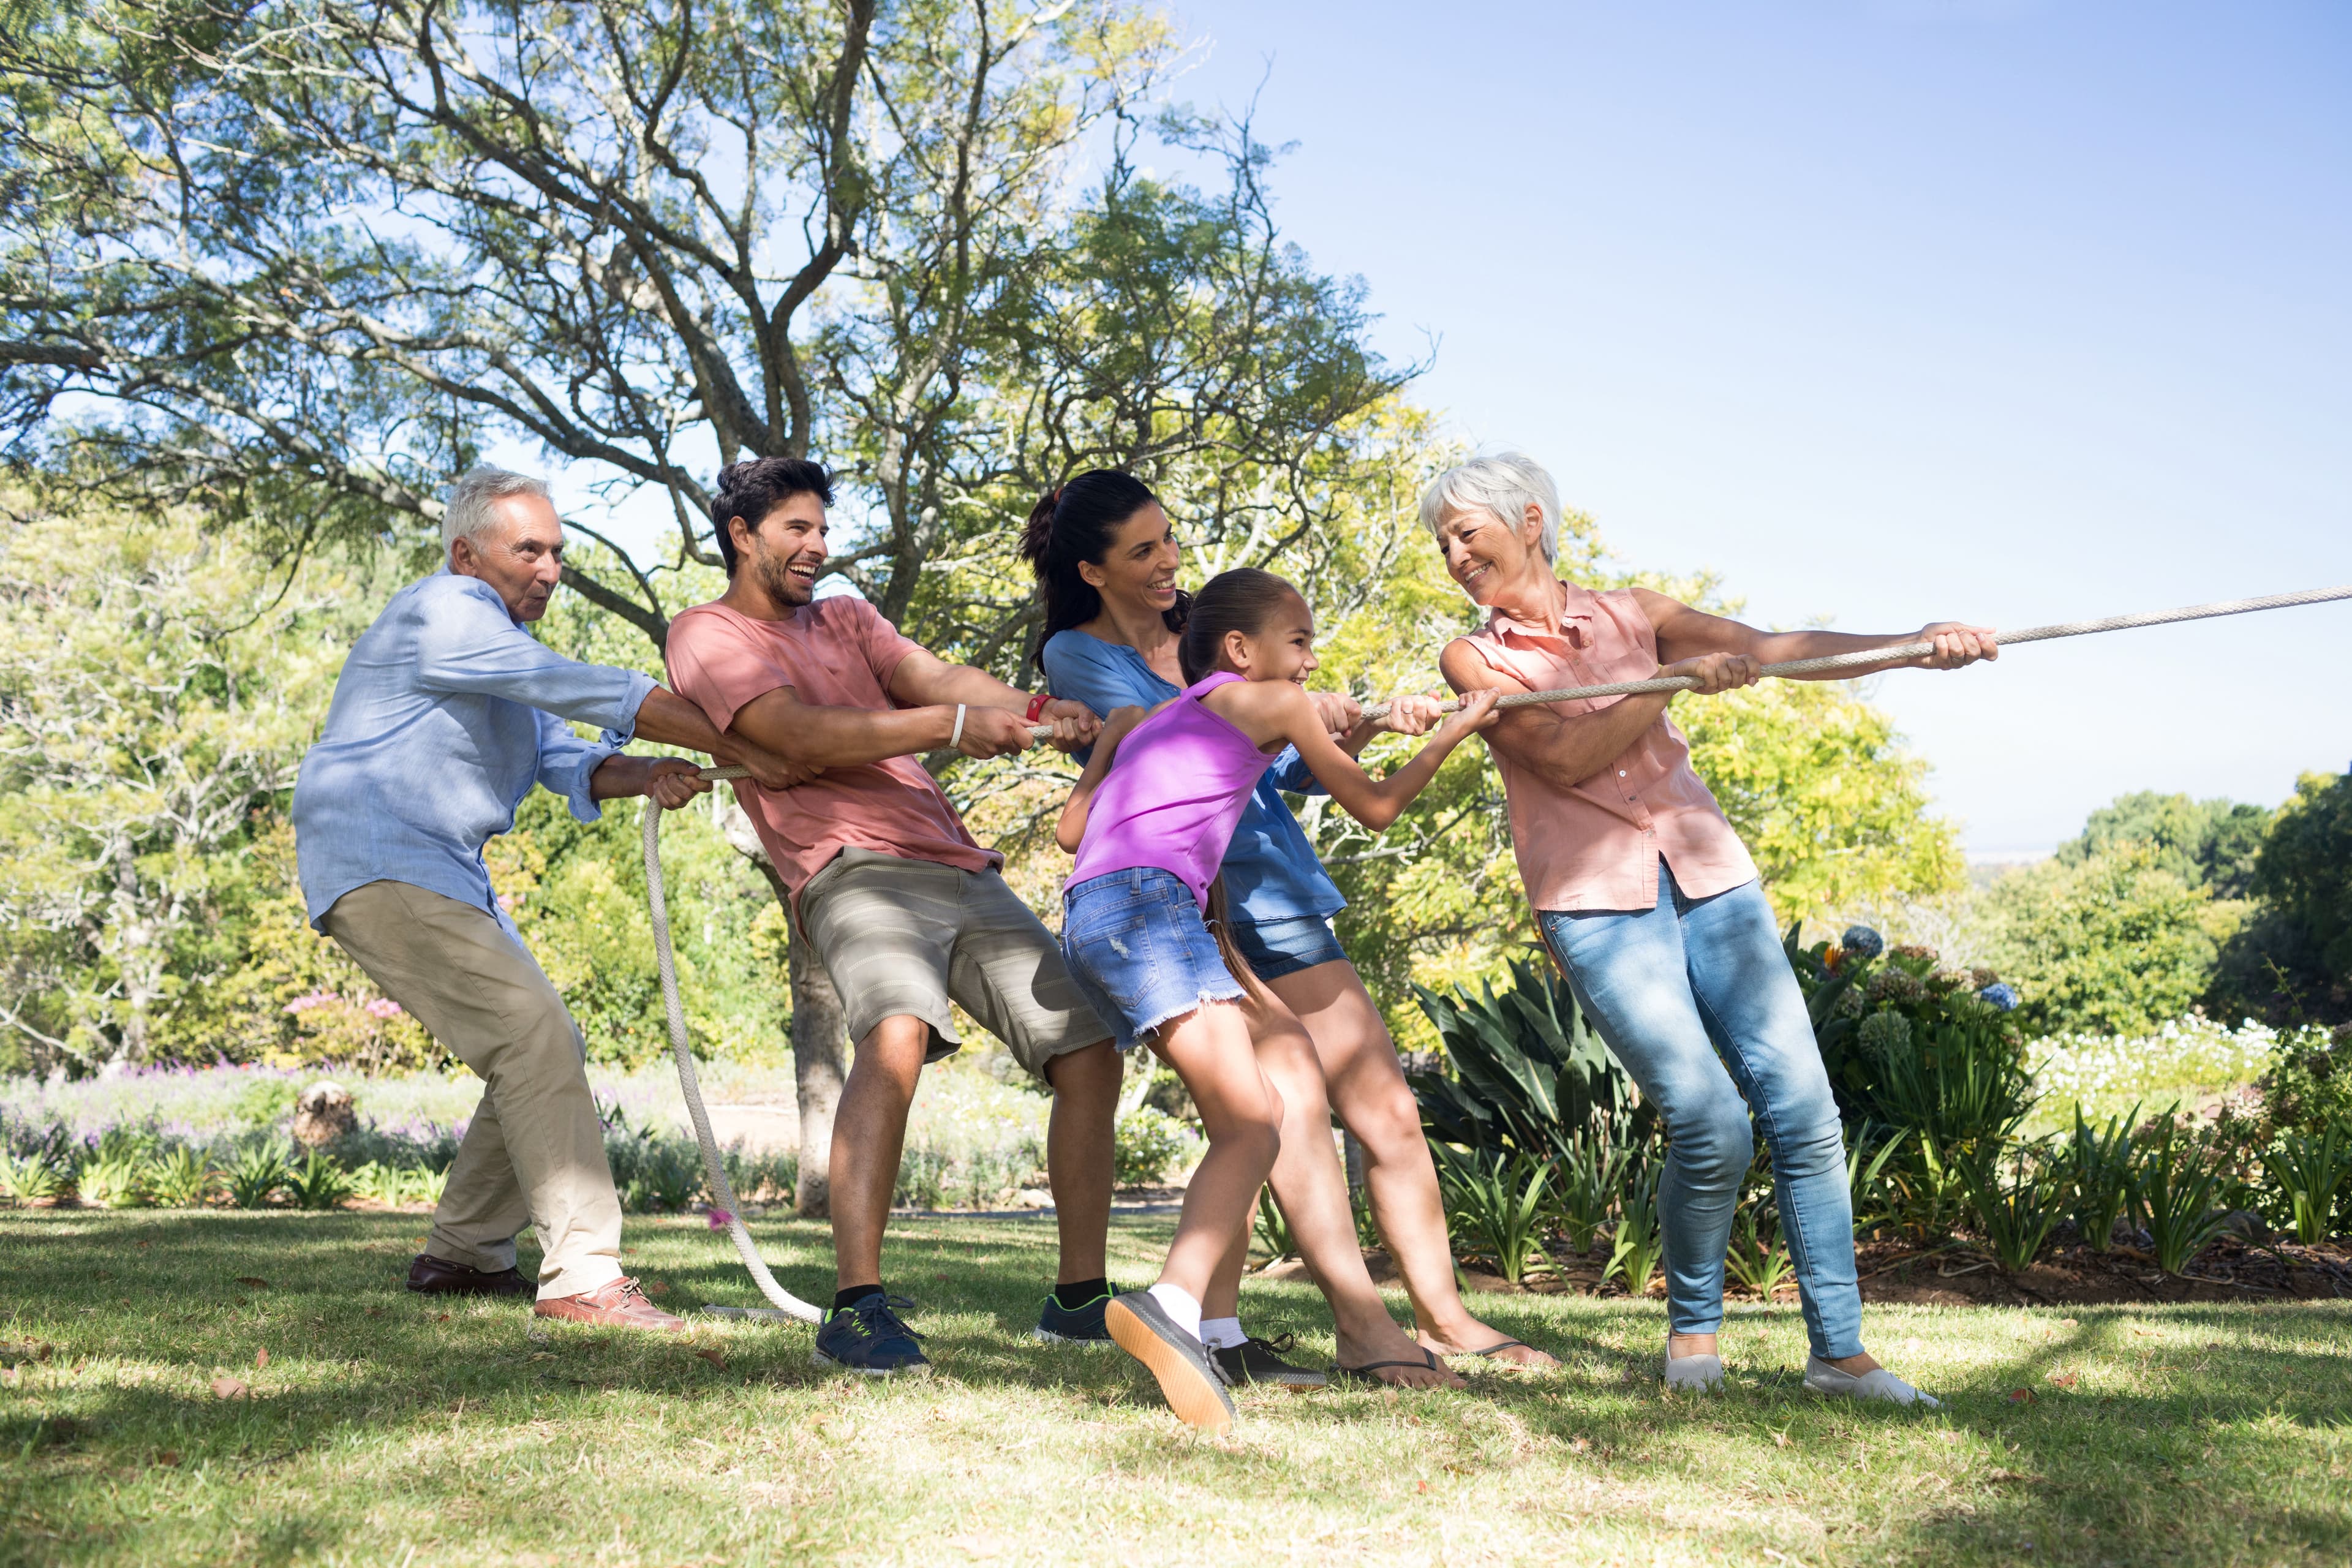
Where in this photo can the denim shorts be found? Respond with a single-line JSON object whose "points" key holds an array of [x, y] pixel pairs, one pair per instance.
{"points": [[1276, 948], [1139, 952]]}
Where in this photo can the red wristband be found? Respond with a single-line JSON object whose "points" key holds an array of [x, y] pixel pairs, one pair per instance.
{"points": [[1037, 705]]}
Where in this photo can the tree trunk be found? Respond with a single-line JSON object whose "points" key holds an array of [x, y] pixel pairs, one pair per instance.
{"points": [[820, 1047]]}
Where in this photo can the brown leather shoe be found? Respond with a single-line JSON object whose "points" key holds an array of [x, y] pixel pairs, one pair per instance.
{"points": [[620, 1304], [439, 1277]]}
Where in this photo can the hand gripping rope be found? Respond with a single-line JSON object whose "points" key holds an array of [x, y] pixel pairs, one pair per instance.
{"points": [[791, 1306]]}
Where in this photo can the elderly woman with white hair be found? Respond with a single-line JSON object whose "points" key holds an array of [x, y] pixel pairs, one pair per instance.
{"points": [[1651, 905]]}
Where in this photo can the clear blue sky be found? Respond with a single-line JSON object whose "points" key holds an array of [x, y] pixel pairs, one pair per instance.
{"points": [[2016, 312]]}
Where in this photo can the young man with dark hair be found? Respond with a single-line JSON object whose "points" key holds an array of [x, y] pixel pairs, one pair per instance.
{"points": [[904, 907]]}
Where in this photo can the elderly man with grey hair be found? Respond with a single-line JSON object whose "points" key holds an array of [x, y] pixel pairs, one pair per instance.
{"points": [[444, 716]]}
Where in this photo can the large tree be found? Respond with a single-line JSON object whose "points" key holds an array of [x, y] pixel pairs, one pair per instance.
{"points": [[322, 255]]}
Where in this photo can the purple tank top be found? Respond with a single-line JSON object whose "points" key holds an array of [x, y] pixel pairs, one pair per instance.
{"points": [[1179, 785]]}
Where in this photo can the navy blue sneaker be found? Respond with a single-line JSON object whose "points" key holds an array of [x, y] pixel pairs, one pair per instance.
{"points": [[1080, 1325], [867, 1336]]}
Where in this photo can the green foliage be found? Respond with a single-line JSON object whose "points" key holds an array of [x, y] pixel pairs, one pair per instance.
{"points": [[115, 1175], [185, 1178], [1758, 1258], [2175, 1187], [2309, 1086], [1147, 1141], [319, 1182], [1496, 1200], [1529, 1075], [1913, 1046], [257, 1174], [160, 689], [2110, 943], [398, 1186], [30, 1177], [2099, 1165], [2309, 1174], [1641, 1239], [1816, 781], [1272, 1229], [2305, 871], [2211, 845], [2019, 1198], [1585, 1184], [1868, 1187]]}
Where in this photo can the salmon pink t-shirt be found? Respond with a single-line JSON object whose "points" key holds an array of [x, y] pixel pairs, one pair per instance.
{"points": [[1596, 844], [833, 653]]}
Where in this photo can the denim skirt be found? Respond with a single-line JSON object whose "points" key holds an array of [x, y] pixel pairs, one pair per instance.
{"points": [[1139, 952]]}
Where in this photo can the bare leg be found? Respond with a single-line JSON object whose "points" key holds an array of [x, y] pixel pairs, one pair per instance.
{"points": [[1225, 1297], [869, 1133], [1080, 1149], [1210, 1049], [1313, 1191], [1367, 1087]]}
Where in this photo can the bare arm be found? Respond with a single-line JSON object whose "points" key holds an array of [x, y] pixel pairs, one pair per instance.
{"points": [[669, 720], [1686, 633], [1273, 710], [1072, 828], [1566, 748]]}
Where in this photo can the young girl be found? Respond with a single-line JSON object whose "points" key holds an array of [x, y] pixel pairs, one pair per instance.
{"points": [[1140, 907]]}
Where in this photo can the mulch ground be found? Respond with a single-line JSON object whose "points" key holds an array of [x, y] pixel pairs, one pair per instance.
{"points": [[1900, 1273]]}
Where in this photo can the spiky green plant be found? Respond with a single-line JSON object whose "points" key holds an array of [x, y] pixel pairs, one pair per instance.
{"points": [[2175, 1186], [257, 1174], [2309, 1173], [1639, 1241], [1497, 1201], [184, 1179]]}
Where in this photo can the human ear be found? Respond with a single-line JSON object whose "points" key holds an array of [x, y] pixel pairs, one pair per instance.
{"points": [[1091, 576], [1238, 651]]}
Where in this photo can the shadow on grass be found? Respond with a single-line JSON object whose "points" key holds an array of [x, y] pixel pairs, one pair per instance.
{"points": [[2188, 1433]]}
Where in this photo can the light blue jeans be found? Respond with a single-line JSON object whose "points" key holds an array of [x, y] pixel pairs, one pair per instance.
{"points": [[1696, 999]]}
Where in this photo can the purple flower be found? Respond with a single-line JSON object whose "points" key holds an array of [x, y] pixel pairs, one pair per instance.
{"points": [[1862, 942], [2000, 993]]}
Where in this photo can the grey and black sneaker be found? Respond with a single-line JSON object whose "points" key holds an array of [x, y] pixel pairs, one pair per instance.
{"points": [[1260, 1360], [1079, 1325], [867, 1336], [1177, 1359]]}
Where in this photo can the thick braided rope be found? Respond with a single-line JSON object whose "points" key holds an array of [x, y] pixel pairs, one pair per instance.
{"points": [[793, 1306], [715, 1167], [1914, 649]]}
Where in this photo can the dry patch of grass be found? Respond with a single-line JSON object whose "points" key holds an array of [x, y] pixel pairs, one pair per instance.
{"points": [[385, 1427]]}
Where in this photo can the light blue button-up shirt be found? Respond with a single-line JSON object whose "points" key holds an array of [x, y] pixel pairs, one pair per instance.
{"points": [[446, 714]]}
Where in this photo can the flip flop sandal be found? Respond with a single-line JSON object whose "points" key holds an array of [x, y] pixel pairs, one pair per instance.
{"points": [[1364, 1373], [1498, 1348]]}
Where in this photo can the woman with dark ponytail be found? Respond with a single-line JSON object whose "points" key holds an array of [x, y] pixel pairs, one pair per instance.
{"points": [[1107, 562]]}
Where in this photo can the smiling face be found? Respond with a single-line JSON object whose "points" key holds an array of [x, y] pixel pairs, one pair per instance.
{"points": [[1487, 556], [1137, 569], [1283, 648], [786, 551], [521, 554]]}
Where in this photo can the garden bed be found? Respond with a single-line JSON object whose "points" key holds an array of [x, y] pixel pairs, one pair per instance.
{"points": [[1901, 1273]]}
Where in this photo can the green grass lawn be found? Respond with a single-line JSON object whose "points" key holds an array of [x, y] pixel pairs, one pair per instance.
{"points": [[391, 1428]]}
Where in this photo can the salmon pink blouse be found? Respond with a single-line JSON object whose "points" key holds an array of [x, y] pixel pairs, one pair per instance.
{"points": [[1596, 844]]}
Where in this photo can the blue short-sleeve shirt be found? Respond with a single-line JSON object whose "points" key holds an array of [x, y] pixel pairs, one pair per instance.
{"points": [[1271, 871]]}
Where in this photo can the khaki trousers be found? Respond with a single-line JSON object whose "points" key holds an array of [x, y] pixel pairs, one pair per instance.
{"points": [[535, 1151]]}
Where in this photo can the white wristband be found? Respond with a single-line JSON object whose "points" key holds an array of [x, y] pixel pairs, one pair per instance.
{"points": [[955, 737]]}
